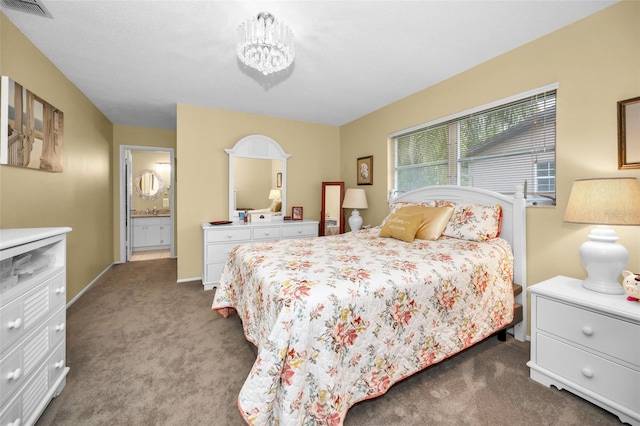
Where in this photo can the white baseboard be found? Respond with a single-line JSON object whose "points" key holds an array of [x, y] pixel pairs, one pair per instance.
{"points": [[187, 280], [84, 290]]}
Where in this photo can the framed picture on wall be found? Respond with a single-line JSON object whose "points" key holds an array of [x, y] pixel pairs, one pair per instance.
{"points": [[296, 213], [365, 170], [31, 129], [279, 180], [629, 134]]}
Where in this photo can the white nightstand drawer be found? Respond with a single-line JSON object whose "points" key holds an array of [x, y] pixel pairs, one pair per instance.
{"points": [[266, 233], [611, 380], [221, 235], [611, 336], [298, 231]]}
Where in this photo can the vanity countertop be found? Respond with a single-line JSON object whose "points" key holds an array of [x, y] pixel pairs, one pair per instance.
{"points": [[145, 214]]}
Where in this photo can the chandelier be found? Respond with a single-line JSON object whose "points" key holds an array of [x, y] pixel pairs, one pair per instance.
{"points": [[265, 44]]}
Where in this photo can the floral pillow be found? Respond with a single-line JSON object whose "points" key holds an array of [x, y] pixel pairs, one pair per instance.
{"points": [[473, 222]]}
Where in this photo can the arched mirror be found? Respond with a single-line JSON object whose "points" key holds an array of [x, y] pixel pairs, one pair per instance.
{"points": [[149, 185], [332, 216], [257, 177]]}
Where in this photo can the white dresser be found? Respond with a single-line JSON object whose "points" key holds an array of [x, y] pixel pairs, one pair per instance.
{"points": [[219, 240], [32, 321], [151, 233], [587, 343]]}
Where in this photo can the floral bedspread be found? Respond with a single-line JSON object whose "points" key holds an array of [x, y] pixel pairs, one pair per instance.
{"points": [[339, 319]]}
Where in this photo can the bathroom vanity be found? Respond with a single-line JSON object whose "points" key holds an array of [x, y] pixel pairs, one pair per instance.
{"points": [[151, 233]]}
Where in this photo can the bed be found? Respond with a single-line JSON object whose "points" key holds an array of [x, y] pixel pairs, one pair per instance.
{"points": [[339, 319]]}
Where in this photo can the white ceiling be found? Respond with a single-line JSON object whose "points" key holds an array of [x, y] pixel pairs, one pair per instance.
{"points": [[136, 60]]}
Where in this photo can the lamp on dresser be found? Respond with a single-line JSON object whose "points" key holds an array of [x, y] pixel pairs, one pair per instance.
{"points": [[603, 202], [355, 198]]}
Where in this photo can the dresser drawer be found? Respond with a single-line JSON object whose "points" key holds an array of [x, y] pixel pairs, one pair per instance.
{"points": [[266, 233], [19, 364], [12, 414], [298, 231], [20, 316], [221, 235], [214, 271], [608, 379], [590, 329], [219, 252]]}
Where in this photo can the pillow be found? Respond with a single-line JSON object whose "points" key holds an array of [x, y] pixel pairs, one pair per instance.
{"points": [[399, 205], [473, 222], [434, 220], [276, 206], [401, 227]]}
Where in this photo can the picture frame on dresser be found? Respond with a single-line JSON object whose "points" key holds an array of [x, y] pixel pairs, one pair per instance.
{"points": [[296, 213]]}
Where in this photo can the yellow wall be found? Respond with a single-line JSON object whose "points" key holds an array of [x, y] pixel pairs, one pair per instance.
{"points": [[203, 169], [80, 197], [596, 61], [135, 136]]}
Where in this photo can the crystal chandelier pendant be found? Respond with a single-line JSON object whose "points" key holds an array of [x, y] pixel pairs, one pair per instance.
{"points": [[265, 44]]}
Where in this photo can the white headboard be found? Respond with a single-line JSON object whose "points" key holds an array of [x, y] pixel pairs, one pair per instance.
{"points": [[514, 227]]}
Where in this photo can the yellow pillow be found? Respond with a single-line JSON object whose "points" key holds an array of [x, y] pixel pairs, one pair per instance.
{"points": [[401, 227], [434, 220]]}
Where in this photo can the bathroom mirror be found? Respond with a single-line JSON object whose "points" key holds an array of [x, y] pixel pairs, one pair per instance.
{"points": [[149, 185], [254, 164], [332, 215]]}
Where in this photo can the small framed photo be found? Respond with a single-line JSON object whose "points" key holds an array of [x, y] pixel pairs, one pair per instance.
{"points": [[296, 213], [365, 170], [279, 180]]}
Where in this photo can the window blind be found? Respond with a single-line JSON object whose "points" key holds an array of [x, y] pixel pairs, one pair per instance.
{"points": [[495, 149]]}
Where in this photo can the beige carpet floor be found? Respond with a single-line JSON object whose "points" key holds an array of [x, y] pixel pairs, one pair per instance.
{"points": [[144, 350]]}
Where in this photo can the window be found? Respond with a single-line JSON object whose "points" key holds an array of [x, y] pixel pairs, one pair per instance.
{"points": [[496, 148]]}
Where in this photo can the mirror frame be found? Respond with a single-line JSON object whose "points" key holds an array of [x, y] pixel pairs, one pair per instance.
{"points": [[259, 147], [626, 137], [138, 184], [322, 212]]}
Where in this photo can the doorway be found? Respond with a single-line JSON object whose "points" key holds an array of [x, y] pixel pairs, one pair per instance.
{"points": [[147, 203]]}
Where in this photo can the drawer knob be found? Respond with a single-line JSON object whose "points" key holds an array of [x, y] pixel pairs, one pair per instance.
{"points": [[60, 327], [59, 364], [229, 236], [587, 330], [586, 372], [14, 375], [59, 290], [267, 233], [15, 324], [17, 422]]}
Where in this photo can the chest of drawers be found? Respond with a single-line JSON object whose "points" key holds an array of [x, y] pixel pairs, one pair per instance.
{"points": [[219, 240], [587, 343], [32, 321]]}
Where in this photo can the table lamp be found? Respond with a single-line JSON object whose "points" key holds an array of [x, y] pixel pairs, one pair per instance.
{"points": [[355, 199], [606, 201], [275, 194]]}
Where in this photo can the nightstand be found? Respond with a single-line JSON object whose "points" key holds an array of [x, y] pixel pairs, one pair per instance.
{"points": [[587, 343]]}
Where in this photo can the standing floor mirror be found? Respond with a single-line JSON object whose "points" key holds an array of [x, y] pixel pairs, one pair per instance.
{"points": [[332, 215]]}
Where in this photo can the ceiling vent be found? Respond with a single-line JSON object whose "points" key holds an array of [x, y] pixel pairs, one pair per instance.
{"points": [[34, 7]]}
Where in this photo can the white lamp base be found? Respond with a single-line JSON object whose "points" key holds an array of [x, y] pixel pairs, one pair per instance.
{"points": [[604, 259], [355, 220]]}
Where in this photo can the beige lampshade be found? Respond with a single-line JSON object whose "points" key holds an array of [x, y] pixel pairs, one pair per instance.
{"points": [[355, 198], [275, 194], [607, 201]]}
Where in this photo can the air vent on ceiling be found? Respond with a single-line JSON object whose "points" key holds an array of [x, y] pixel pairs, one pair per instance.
{"points": [[34, 7]]}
